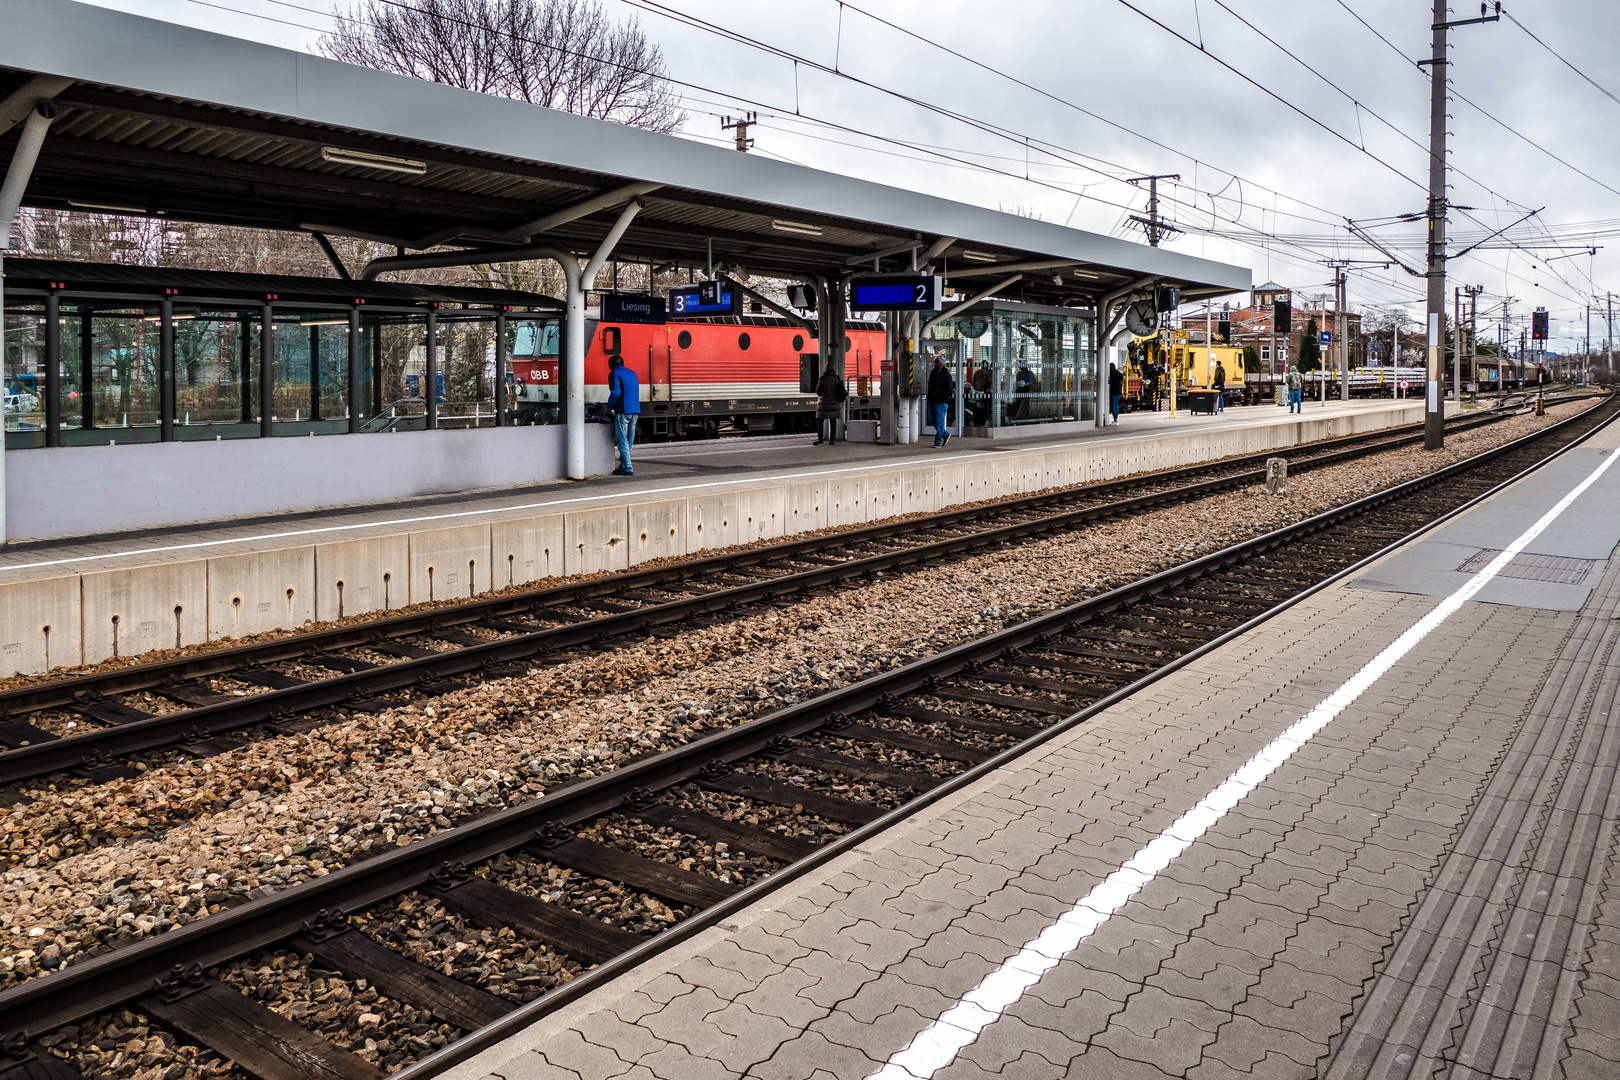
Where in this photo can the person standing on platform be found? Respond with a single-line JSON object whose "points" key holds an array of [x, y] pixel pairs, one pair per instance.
{"points": [[1116, 388], [1296, 390], [1218, 382], [941, 389], [624, 402], [830, 395]]}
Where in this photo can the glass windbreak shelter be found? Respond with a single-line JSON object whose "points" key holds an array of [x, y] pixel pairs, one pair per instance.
{"points": [[1018, 365], [98, 354]]}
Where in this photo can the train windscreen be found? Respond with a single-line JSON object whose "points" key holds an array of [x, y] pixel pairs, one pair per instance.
{"points": [[535, 340]]}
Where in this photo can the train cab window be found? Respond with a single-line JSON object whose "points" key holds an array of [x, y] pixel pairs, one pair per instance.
{"points": [[848, 344], [685, 339], [798, 343], [610, 340], [532, 339], [743, 342]]}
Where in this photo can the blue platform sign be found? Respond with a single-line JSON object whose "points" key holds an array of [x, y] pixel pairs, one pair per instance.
{"points": [[1327, 337], [704, 298], [912, 293], [632, 308]]}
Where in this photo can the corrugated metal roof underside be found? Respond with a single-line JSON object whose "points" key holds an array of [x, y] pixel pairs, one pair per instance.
{"points": [[121, 143]]}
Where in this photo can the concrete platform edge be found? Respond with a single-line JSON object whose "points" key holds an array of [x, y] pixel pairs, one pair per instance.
{"points": [[59, 619]]}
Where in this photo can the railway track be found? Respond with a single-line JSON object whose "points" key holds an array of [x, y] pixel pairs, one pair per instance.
{"points": [[704, 829], [204, 703]]}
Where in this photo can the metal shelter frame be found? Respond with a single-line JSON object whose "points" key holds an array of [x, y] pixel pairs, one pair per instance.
{"points": [[110, 112]]}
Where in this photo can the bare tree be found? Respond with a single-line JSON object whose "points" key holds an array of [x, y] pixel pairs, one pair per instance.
{"points": [[563, 54]]}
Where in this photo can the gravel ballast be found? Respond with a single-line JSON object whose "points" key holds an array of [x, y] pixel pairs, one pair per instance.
{"points": [[91, 864]]}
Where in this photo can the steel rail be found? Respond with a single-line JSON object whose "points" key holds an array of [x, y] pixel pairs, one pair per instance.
{"points": [[477, 1042], [143, 676], [101, 983], [98, 747]]}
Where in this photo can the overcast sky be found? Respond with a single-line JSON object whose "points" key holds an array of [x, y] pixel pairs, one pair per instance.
{"points": [[1249, 164]]}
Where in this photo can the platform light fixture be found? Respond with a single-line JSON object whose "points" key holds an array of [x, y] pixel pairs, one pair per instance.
{"points": [[172, 318], [107, 207], [979, 256], [798, 228], [339, 155]]}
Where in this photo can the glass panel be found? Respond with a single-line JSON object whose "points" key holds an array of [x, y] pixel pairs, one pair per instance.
{"points": [[1024, 367], [209, 366], [467, 359], [25, 374], [124, 370], [402, 357], [312, 371]]}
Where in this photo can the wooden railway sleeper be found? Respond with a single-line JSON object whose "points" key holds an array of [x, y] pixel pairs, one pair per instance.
{"points": [[464, 883], [223, 661]]}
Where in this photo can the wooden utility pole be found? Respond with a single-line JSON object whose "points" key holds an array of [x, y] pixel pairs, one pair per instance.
{"points": [[1155, 228], [741, 126]]}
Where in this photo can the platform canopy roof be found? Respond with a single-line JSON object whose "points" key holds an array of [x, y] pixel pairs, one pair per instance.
{"points": [[159, 119]]}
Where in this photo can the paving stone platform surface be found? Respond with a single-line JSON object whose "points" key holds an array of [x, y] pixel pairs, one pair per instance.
{"points": [[1428, 887]]}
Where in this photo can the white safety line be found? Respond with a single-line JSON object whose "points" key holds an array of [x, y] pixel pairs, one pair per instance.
{"points": [[937, 1045], [789, 477]]}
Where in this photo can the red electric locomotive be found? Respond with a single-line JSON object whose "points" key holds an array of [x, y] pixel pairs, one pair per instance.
{"points": [[698, 378]]}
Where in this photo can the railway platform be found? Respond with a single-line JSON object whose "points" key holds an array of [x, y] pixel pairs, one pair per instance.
{"points": [[1372, 836], [81, 599]]}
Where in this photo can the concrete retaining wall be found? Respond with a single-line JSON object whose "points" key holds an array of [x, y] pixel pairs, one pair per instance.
{"points": [[86, 618], [90, 490]]}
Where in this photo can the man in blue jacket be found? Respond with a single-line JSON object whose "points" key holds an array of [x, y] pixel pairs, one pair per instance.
{"points": [[624, 401]]}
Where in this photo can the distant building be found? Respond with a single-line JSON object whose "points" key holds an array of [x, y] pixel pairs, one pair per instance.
{"points": [[1252, 326]]}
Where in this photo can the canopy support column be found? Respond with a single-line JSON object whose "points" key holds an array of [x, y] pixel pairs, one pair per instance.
{"points": [[11, 193], [430, 391], [579, 282], [354, 368], [1106, 319], [53, 369], [500, 369], [166, 370], [267, 369]]}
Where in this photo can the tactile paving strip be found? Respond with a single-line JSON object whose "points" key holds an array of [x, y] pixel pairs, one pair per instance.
{"points": [[1551, 568]]}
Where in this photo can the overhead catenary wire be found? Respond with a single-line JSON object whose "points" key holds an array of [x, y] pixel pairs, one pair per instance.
{"points": [[1347, 95], [1272, 94], [1259, 239], [1458, 95], [1046, 148], [832, 125], [1561, 58]]}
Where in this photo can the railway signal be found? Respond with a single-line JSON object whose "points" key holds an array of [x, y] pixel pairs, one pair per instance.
{"points": [[1282, 317]]}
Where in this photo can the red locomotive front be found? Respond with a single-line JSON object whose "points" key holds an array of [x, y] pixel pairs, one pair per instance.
{"points": [[754, 374]]}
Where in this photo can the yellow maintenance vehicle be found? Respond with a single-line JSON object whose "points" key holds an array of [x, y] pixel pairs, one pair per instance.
{"points": [[1185, 354]]}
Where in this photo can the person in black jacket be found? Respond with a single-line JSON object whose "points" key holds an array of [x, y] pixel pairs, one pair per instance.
{"points": [[941, 392], [830, 395], [1116, 389]]}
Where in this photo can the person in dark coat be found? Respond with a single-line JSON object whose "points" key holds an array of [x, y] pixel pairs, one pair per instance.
{"points": [[830, 395], [1218, 382], [978, 399], [1116, 389], [941, 392], [1025, 387]]}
